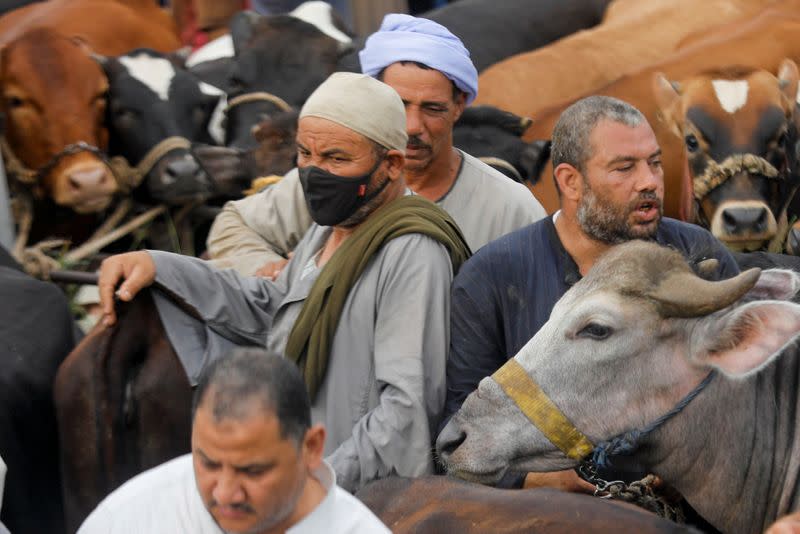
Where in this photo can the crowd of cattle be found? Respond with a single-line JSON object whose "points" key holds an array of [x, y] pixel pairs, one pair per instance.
{"points": [[106, 116]]}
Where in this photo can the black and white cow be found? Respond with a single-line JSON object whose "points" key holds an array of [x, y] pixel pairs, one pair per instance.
{"points": [[151, 100]]}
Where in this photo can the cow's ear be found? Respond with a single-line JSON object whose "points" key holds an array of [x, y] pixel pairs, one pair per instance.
{"points": [[775, 284], [787, 81], [668, 99], [533, 159], [744, 339], [242, 28]]}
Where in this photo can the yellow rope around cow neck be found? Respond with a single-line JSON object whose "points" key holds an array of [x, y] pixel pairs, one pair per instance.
{"points": [[541, 411]]}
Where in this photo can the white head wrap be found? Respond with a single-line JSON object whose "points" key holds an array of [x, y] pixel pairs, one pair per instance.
{"points": [[407, 38], [362, 104]]}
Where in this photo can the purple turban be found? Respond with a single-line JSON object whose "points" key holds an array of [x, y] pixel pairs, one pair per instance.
{"points": [[407, 38]]}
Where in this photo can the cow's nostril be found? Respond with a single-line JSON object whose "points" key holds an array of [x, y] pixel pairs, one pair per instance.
{"points": [[745, 220], [761, 222], [183, 168], [449, 440], [729, 221]]}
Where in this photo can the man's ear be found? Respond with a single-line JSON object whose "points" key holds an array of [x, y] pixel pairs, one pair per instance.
{"points": [[395, 161], [314, 446], [745, 339], [570, 181], [460, 105]]}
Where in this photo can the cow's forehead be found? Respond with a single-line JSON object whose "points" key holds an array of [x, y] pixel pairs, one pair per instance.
{"points": [[735, 111], [41, 62], [729, 95], [634, 267], [154, 72]]}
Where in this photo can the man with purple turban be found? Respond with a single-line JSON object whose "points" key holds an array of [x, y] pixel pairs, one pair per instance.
{"points": [[431, 70]]}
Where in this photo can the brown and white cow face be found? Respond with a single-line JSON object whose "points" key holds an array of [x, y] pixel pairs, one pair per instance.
{"points": [[734, 125], [621, 348], [53, 95]]}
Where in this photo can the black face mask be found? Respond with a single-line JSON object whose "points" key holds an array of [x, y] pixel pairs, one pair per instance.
{"points": [[331, 198]]}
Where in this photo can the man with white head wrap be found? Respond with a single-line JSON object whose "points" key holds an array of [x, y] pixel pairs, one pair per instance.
{"points": [[363, 304], [432, 72]]}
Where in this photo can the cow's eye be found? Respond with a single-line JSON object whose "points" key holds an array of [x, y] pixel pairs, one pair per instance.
{"points": [[125, 115], [692, 144], [594, 331], [14, 102], [235, 86]]}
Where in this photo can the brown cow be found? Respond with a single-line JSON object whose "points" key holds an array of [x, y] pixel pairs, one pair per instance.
{"points": [[759, 43], [53, 92], [446, 504], [582, 62], [735, 126]]}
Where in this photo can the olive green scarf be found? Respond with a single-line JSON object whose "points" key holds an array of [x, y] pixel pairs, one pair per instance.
{"points": [[310, 340]]}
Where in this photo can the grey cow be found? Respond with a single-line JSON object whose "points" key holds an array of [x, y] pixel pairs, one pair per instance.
{"points": [[622, 348]]}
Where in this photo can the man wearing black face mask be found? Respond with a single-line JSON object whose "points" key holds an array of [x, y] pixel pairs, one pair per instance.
{"points": [[363, 305], [431, 70]]}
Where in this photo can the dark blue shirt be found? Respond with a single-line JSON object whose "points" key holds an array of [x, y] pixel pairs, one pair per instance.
{"points": [[504, 294]]}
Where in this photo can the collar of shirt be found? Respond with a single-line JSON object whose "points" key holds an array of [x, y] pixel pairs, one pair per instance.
{"points": [[566, 264], [316, 520]]}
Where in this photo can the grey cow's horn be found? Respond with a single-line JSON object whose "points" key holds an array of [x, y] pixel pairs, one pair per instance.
{"points": [[685, 294]]}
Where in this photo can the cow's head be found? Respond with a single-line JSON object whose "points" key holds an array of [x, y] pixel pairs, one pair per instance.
{"points": [[152, 100], [620, 349], [283, 59], [233, 169], [54, 98], [494, 136], [735, 125]]}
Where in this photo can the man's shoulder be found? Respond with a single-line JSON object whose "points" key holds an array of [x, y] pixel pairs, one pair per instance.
{"points": [[683, 235], [161, 491], [413, 244], [356, 513], [154, 484], [696, 244], [340, 512]]}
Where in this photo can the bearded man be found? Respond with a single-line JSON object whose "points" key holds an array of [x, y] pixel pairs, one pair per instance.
{"points": [[363, 304], [607, 168]]}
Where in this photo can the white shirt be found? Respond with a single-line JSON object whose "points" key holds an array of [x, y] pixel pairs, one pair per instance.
{"points": [[165, 500]]}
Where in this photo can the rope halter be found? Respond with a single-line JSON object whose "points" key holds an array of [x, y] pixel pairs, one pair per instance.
{"points": [[258, 96], [129, 177], [559, 430], [24, 174], [718, 173]]}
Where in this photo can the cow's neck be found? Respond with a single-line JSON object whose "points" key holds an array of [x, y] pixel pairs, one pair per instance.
{"points": [[734, 453]]}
